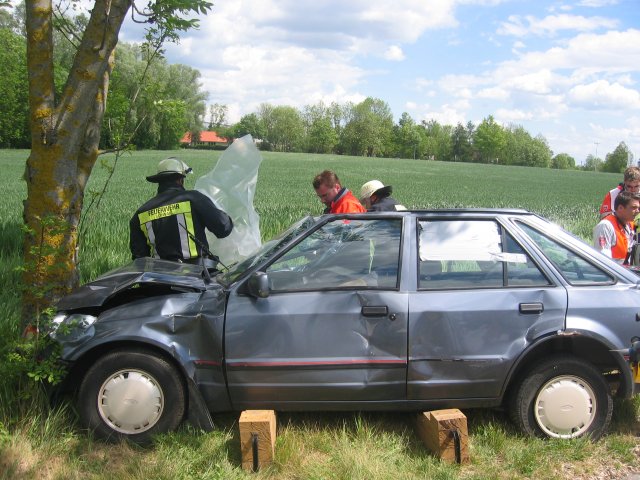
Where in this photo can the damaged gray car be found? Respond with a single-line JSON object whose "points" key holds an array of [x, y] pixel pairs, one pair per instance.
{"points": [[407, 310]]}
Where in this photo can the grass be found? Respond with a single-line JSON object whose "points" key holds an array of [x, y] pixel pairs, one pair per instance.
{"points": [[339, 446], [39, 442]]}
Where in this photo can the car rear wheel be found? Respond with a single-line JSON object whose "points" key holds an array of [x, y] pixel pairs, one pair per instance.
{"points": [[562, 397], [131, 395]]}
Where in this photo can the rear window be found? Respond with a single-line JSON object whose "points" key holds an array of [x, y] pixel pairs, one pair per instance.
{"points": [[575, 269], [473, 254]]}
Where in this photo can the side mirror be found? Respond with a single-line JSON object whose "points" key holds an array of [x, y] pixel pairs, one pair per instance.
{"points": [[258, 285]]}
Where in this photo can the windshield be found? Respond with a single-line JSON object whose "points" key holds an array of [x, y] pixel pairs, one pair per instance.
{"points": [[266, 251]]}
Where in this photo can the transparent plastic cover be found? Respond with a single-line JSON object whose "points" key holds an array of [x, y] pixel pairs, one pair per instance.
{"points": [[231, 184]]}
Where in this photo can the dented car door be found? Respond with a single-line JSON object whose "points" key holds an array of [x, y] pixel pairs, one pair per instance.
{"points": [[333, 327], [481, 300]]}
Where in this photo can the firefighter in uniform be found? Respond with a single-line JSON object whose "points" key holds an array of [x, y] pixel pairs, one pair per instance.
{"points": [[171, 225], [614, 235]]}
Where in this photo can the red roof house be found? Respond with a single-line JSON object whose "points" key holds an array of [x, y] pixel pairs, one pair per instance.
{"points": [[206, 138]]}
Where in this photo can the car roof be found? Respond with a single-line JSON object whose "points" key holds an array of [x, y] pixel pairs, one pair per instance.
{"points": [[446, 211], [494, 211]]}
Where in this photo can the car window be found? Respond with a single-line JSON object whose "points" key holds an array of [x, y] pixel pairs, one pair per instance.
{"points": [[472, 254], [341, 254], [266, 251], [575, 269]]}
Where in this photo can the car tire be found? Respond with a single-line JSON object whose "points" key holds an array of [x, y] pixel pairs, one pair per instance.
{"points": [[129, 394], [562, 397]]}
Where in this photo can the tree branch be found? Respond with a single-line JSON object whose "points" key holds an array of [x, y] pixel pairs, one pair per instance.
{"points": [[89, 67], [40, 67]]}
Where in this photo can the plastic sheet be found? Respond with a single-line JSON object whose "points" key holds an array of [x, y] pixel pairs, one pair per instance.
{"points": [[232, 186]]}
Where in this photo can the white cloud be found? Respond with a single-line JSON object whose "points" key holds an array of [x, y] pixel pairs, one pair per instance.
{"points": [[493, 93], [422, 83], [290, 75], [601, 94], [625, 80], [505, 116], [456, 84], [406, 20], [287, 51], [519, 26], [597, 3], [394, 53], [329, 24], [545, 78], [540, 82], [582, 56], [446, 114]]}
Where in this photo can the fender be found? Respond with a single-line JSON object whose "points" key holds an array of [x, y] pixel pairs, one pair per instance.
{"points": [[616, 355]]}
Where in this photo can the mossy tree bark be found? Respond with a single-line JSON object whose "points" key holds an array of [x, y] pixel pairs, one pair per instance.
{"points": [[64, 147], [65, 132]]}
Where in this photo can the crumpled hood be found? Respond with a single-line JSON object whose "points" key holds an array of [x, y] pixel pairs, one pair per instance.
{"points": [[140, 271]]}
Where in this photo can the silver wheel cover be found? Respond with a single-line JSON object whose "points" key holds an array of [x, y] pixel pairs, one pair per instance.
{"points": [[565, 407], [130, 401]]}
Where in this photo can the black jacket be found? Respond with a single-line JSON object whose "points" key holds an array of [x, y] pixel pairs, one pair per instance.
{"points": [[386, 204], [164, 226]]}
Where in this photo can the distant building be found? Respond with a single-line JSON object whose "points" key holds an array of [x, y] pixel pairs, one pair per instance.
{"points": [[207, 139]]}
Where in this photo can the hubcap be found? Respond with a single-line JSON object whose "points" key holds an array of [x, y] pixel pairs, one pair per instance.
{"points": [[130, 401], [565, 407]]}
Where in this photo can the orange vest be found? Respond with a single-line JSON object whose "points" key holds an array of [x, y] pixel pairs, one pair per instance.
{"points": [[621, 249]]}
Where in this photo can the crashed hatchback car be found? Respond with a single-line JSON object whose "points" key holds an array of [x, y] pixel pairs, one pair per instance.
{"points": [[410, 310]]}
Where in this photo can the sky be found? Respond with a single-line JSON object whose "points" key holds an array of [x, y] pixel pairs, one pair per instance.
{"points": [[568, 70]]}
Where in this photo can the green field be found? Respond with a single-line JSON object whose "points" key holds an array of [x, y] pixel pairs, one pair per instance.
{"points": [[284, 192], [36, 443]]}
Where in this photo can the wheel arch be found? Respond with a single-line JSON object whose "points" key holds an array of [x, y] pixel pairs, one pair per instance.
{"points": [[196, 410], [585, 347], [87, 358]]}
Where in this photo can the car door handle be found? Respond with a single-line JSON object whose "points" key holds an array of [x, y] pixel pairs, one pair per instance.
{"points": [[375, 311], [531, 308]]}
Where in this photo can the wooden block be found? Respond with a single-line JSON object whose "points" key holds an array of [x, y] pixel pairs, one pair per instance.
{"points": [[263, 424], [435, 429]]}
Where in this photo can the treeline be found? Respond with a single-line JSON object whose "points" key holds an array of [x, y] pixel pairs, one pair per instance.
{"points": [[151, 104], [368, 129]]}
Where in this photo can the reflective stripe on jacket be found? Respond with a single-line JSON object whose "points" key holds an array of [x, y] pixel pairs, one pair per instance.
{"points": [[172, 225], [186, 233]]}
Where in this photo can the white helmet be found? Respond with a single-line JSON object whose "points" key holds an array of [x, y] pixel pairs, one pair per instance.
{"points": [[373, 186], [168, 167]]}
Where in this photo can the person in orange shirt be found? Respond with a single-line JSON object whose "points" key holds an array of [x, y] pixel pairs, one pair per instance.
{"points": [[614, 235], [631, 183], [335, 197]]}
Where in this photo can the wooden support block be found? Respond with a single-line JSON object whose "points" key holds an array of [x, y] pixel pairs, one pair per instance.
{"points": [[260, 423], [436, 431]]}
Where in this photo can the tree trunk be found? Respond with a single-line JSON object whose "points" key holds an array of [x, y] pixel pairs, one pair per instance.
{"points": [[64, 148]]}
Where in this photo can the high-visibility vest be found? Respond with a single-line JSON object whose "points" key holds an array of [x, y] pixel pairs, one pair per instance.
{"points": [[184, 229], [624, 233]]}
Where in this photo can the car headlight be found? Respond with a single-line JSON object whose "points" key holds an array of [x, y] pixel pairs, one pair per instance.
{"points": [[63, 323]]}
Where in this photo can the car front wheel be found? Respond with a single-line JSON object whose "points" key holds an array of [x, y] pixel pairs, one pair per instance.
{"points": [[131, 395], [562, 397]]}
